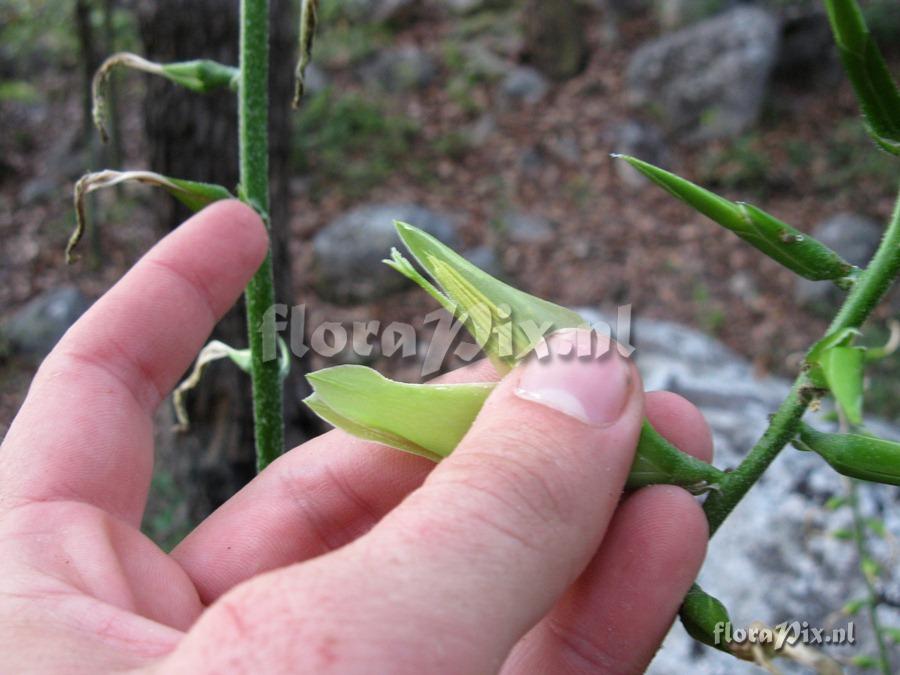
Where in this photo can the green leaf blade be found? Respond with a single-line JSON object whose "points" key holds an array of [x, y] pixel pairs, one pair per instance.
{"points": [[875, 89]]}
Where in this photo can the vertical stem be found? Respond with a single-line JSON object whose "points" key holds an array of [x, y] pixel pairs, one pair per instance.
{"points": [[859, 539], [253, 120], [870, 287]]}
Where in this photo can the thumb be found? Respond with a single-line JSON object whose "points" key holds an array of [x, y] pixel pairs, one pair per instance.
{"points": [[455, 575], [505, 524]]}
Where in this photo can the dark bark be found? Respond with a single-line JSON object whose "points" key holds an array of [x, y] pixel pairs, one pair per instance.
{"points": [[90, 60], [555, 40], [194, 136]]}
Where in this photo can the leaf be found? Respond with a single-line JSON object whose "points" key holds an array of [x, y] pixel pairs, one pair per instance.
{"points": [[430, 420], [843, 371], [195, 196], [834, 503], [506, 322], [214, 351], [309, 16], [852, 607], [875, 89], [893, 634], [783, 243], [202, 75]]}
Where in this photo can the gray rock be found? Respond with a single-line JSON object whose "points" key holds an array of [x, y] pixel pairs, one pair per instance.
{"points": [[35, 328], [532, 161], [773, 560], [526, 228], [482, 63], [41, 189], [707, 80], [565, 148], [807, 52], [390, 11], [854, 237], [401, 69], [347, 253], [479, 131], [315, 80], [674, 14], [644, 141], [524, 84], [396, 11]]}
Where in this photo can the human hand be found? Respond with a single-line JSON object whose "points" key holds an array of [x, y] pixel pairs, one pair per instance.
{"points": [[517, 553]]}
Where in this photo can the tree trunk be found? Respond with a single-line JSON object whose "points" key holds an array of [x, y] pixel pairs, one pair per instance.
{"points": [[194, 136], [555, 40]]}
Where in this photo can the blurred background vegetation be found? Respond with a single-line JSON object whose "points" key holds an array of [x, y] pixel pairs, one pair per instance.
{"points": [[495, 118]]}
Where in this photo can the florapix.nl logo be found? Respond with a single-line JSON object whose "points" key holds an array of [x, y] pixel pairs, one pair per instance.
{"points": [[440, 337]]}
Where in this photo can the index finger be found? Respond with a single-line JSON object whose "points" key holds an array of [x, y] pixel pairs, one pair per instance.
{"points": [[85, 431]]}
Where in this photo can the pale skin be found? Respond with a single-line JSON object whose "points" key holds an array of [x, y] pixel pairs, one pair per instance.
{"points": [[518, 554]]}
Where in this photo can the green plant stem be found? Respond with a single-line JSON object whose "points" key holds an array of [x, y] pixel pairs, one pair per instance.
{"points": [[859, 534], [870, 287], [253, 120]]}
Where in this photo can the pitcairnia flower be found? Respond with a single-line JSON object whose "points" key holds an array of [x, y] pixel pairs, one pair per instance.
{"points": [[430, 419]]}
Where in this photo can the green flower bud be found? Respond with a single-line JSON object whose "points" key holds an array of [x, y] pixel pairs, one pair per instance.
{"points": [[854, 455], [704, 618], [785, 244]]}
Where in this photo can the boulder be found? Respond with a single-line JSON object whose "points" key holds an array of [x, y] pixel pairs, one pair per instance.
{"points": [[641, 140], [35, 328], [401, 69], [386, 11], [774, 559], [526, 228], [347, 253], [708, 80], [523, 85]]}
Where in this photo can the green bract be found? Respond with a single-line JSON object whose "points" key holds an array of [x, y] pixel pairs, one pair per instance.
{"points": [[431, 419], [787, 245], [424, 419], [506, 323]]}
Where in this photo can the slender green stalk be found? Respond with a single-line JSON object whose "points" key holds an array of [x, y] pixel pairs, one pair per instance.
{"points": [[859, 539], [253, 119], [870, 287]]}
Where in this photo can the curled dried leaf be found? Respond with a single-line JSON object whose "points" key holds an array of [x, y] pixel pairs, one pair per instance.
{"points": [[309, 14], [190, 193]]}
